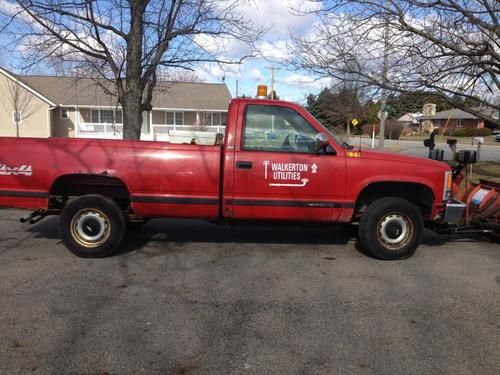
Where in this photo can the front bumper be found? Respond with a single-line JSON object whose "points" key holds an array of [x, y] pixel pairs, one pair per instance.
{"points": [[454, 212]]}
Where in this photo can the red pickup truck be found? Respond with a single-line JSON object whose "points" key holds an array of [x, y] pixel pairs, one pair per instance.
{"points": [[276, 163]]}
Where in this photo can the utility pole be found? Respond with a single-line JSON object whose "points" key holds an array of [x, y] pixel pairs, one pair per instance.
{"points": [[497, 102], [383, 100], [273, 80]]}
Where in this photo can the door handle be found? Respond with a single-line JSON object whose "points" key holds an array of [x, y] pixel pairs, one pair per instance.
{"points": [[244, 164]]}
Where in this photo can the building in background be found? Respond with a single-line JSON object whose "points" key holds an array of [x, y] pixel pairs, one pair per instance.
{"points": [[46, 106], [455, 119]]}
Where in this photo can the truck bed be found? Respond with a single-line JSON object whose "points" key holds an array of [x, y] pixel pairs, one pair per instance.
{"points": [[162, 179]]}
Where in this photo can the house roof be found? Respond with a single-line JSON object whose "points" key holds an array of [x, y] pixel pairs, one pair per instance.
{"points": [[75, 91], [488, 112], [410, 117], [16, 79], [453, 114]]}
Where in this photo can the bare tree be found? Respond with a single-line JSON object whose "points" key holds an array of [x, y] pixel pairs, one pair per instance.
{"points": [[124, 42], [19, 101], [178, 75], [449, 47]]}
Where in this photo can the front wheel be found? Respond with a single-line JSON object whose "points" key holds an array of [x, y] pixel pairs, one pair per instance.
{"points": [[391, 228], [92, 226]]}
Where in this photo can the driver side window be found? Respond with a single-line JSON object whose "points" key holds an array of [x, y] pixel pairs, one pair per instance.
{"points": [[273, 128]]}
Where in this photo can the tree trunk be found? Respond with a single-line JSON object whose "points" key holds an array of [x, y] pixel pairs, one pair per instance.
{"points": [[132, 115], [132, 101]]}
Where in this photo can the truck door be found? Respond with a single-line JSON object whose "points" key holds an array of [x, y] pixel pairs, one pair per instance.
{"points": [[278, 173]]}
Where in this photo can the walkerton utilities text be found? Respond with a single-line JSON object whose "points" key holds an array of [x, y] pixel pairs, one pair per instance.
{"points": [[288, 171]]}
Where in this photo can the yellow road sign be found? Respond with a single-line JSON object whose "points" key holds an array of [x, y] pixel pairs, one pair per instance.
{"points": [[354, 122]]}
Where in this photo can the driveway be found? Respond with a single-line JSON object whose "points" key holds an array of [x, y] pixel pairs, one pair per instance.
{"points": [[188, 297]]}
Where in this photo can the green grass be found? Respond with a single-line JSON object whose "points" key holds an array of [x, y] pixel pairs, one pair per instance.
{"points": [[486, 170]]}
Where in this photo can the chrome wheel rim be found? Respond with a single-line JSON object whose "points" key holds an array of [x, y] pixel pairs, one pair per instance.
{"points": [[90, 228], [395, 230]]}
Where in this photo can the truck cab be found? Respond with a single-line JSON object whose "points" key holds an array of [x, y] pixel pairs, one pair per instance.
{"points": [[281, 164]]}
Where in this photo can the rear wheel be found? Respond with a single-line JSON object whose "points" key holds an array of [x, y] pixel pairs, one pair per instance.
{"points": [[391, 228], [92, 226]]}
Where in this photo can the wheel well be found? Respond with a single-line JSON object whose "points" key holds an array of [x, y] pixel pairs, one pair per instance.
{"points": [[418, 194], [74, 185]]}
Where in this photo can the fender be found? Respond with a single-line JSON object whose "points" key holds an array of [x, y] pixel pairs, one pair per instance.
{"points": [[356, 190], [88, 176]]}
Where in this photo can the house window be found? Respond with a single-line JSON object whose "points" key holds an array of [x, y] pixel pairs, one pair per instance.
{"points": [[174, 118], [169, 118], [95, 116], [17, 117], [460, 123], [207, 118], [216, 118], [64, 113], [213, 118], [179, 118], [106, 116]]}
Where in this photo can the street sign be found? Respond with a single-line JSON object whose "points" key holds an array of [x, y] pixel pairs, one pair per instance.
{"points": [[354, 122], [382, 115]]}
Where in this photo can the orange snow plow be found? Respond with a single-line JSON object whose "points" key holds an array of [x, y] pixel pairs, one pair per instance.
{"points": [[482, 205], [475, 208]]}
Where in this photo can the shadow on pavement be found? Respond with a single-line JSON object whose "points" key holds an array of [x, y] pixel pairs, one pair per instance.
{"points": [[194, 231], [198, 231], [172, 230]]}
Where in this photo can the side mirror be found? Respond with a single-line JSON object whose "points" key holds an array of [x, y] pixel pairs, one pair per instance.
{"points": [[321, 141]]}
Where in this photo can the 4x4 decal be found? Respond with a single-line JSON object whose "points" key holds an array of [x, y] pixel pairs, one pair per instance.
{"points": [[23, 170]]}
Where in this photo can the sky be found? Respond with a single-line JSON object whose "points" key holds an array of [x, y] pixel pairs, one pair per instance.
{"points": [[280, 17], [281, 20]]}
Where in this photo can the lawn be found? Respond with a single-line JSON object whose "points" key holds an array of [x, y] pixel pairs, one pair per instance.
{"points": [[486, 170]]}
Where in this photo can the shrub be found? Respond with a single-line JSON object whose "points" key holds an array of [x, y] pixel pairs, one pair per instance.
{"points": [[483, 132], [367, 129], [450, 131], [471, 132], [393, 129], [474, 132], [459, 133]]}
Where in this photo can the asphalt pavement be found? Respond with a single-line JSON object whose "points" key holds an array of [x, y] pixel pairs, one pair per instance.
{"points": [[189, 297]]}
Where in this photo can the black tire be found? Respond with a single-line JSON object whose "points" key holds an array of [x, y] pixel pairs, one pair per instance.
{"points": [[391, 228], [92, 226]]}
